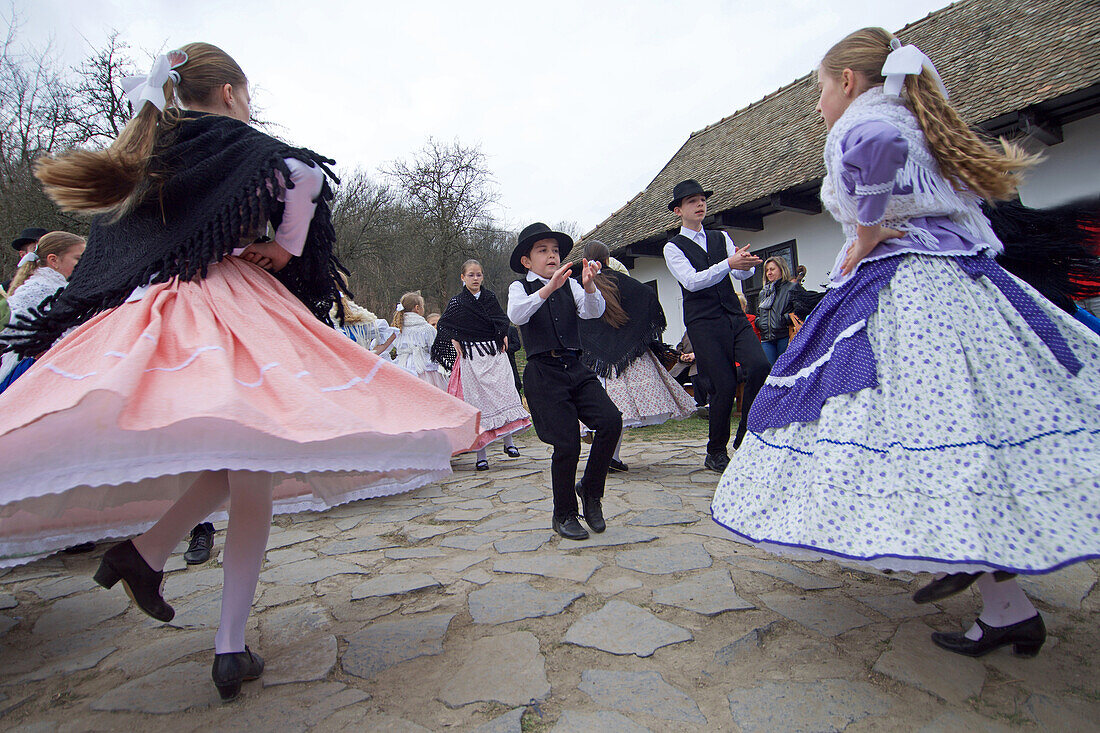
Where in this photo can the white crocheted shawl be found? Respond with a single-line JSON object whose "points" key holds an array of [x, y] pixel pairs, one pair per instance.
{"points": [[933, 195]]}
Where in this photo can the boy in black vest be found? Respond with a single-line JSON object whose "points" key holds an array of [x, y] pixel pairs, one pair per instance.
{"points": [[702, 262], [560, 389]]}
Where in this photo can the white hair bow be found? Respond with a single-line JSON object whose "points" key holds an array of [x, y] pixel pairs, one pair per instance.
{"points": [[400, 307], [903, 61], [150, 88], [31, 256]]}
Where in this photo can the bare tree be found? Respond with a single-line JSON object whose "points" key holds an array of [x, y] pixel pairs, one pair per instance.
{"points": [[449, 190], [100, 109]]}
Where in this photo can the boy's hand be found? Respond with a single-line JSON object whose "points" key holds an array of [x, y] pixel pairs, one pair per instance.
{"points": [[742, 260], [589, 270], [559, 278]]}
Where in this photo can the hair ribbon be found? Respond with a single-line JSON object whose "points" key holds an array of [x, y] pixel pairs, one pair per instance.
{"points": [[150, 88], [904, 61]]}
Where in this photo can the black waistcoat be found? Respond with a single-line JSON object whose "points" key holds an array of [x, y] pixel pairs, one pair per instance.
{"points": [[554, 325], [709, 302]]}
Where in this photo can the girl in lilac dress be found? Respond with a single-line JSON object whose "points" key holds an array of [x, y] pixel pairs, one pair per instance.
{"points": [[935, 413]]}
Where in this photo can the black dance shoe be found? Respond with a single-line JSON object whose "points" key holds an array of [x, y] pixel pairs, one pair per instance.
{"points": [[202, 542], [570, 528], [945, 587], [481, 466], [953, 583], [617, 466], [142, 583], [593, 510], [716, 462], [511, 451], [1026, 638], [230, 670]]}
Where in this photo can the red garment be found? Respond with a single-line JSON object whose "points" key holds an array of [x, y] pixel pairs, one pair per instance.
{"points": [[752, 322]]}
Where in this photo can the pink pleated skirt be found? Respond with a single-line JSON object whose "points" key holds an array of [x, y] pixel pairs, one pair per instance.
{"points": [[115, 422]]}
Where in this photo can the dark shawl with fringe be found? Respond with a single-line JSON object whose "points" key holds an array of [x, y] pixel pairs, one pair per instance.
{"points": [[212, 184], [479, 325], [1056, 251], [607, 350]]}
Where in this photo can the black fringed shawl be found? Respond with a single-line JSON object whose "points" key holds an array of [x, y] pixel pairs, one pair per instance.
{"points": [[212, 183], [607, 350], [477, 324], [1053, 250]]}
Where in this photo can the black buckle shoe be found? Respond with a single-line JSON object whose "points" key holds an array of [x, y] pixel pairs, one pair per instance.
{"points": [[716, 462], [593, 510], [230, 670], [617, 466], [142, 583], [202, 542], [1026, 638], [945, 587], [511, 451], [570, 528], [482, 465]]}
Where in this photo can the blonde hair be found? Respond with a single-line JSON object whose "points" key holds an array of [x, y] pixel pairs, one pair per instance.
{"points": [[470, 263], [965, 159], [408, 301], [53, 243], [114, 180], [784, 269]]}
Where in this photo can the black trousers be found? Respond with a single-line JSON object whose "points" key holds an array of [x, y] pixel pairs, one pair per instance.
{"points": [[721, 343], [561, 391]]}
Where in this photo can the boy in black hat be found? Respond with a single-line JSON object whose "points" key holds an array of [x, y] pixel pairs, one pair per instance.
{"points": [[560, 389], [702, 261], [25, 242]]}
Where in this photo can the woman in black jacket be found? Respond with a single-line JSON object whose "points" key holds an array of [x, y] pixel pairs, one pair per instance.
{"points": [[772, 310]]}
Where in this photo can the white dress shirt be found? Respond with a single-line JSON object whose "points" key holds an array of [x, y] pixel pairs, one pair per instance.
{"points": [[692, 279], [522, 306]]}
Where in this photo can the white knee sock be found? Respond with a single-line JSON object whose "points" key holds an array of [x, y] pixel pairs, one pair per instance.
{"points": [[618, 447], [245, 543], [508, 441], [1003, 604], [209, 492], [482, 455]]}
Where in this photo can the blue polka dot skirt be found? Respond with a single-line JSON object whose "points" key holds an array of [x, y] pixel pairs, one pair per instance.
{"points": [[975, 447]]}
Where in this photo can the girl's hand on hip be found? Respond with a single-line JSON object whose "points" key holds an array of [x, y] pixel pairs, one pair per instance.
{"points": [[867, 238]]}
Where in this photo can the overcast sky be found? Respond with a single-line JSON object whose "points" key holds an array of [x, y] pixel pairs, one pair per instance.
{"points": [[576, 105]]}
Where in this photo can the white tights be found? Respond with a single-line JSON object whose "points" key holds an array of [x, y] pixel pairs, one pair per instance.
{"points": [[1003, 604], [249, 495]]}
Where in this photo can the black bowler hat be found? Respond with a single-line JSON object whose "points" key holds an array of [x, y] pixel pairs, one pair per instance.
{"points": [[533, 233], [30, 235], [683, 189]]}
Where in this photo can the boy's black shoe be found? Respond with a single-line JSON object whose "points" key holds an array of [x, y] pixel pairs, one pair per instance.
{"points": [[617, 465], [716, 462], [593, 511], [202, 542], [570, 528]]}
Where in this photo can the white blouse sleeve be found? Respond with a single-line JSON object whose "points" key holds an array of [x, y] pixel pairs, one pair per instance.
{"points": [[300, 204]]}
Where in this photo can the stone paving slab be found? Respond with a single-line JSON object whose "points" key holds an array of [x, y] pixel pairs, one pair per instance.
{"points": [[74, 614], [641, 692], [510, 722], [465, 542], [1066, 588], [522, 542], [614, 535], [386, 643], [356, 545], [663, 560], [503, 602], [307, 572], [172, 689], [662, 517], [783, 571], [623, 628], [507, 669], [805, 707], [61, 587], [7, 600], [898, 605], [306, 661], [288, 624], [709, 593], [826, 616], [914, 660], [160, 653], [566, 567], [393, 584]]}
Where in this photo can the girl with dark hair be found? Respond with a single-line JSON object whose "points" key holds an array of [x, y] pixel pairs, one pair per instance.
{"points": [[618, 347], [935, 413], [472, 342], [194, 377]]}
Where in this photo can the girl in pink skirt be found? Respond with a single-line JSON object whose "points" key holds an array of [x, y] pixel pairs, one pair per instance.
{"points": [[188, 376]]}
